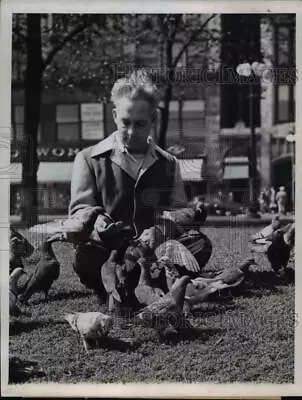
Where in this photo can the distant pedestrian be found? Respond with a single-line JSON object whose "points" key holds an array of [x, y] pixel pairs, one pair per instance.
{"points": [[281, 199], [273, 204], [18, 203], [262, 201], [266, 198], [231, 197]]}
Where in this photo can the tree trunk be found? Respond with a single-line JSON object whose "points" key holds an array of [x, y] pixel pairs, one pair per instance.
{"points": [[33, 78], [164, 123]]}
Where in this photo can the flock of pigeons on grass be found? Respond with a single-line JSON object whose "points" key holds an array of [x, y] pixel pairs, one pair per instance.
{"points": [[160, 282]]}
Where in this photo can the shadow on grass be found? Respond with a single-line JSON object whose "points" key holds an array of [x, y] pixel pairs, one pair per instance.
{"points": [[256, 284], [121, 345], [219, 304], [262, 283], [269, 279], [190, 335], [17, 327], [72, 294]]}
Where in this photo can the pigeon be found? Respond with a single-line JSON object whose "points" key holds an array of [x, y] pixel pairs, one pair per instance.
{"points": [[114, 280], [158, 276], [90, 326], [22, 370], [19, 248], [263, 234], [199, 245], [231, 277], [172, 271], [187, 217], [134, 252], [289, 235], [200, 212], [278, 252], [198, 292], [14, 309], [168, 310], [180, 255], [152, 237], [145, 292], [46, 272]]}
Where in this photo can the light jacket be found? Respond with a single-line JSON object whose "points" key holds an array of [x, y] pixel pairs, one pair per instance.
{"points": [[101, 177]]}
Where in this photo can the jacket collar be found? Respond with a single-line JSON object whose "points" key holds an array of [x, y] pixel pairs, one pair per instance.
{"points": [[111, 143], [105, 145]]}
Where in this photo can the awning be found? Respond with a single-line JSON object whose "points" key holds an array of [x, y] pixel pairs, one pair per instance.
{"points": [[191, 169], [236, 160], [236, 172], [47, 172]]}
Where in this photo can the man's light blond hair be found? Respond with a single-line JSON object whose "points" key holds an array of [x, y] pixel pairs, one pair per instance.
{"points": [[136, 86]]}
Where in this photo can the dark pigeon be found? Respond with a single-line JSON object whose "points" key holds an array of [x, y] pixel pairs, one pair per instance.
{"points": [[46, 272]]}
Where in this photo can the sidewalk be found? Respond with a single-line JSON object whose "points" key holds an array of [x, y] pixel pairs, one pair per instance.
{"points": [[214, 221]]}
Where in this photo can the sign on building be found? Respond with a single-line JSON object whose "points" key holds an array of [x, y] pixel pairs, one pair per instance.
{"points": [[92, 117]]}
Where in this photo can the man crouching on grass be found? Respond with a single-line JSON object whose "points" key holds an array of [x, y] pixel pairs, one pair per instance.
{"points": [[126, 174]]}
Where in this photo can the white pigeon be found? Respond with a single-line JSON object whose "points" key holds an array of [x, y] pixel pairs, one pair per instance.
{"points": [[261, 236], [90, 325]]}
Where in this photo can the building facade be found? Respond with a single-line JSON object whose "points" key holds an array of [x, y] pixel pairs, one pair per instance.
{"points": [[209, 124]]}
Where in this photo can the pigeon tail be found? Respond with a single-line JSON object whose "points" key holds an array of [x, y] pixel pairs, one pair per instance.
{"points": [[289, 236]]}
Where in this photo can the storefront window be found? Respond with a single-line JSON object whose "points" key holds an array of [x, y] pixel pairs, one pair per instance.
{"points": [[68, 122]]}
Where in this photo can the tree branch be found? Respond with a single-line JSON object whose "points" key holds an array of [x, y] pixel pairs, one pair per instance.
{"points": [[67, 38], [176, 24], [191, 39]]}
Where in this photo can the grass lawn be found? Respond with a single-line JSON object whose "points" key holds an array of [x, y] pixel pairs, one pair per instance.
{"points": [[247, 338]]}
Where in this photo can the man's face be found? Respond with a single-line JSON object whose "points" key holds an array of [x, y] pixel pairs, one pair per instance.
{"points": [[133, 119]]}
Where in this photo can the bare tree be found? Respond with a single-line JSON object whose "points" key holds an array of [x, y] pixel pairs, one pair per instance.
{"points": [[176, 33]]}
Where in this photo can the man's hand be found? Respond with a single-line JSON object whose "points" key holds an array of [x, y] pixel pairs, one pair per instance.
{"points": [[112, 230]]}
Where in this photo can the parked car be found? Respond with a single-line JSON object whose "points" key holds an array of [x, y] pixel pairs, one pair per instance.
{"points": [[223, 207]]}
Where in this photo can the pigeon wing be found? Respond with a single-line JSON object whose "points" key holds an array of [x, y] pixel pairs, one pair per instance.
{"points": [[178, 254], [230, 276], [109, 280], [147, 295]]}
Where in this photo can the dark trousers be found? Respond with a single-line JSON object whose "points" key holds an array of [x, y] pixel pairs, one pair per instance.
{"points": [[89, 260]]}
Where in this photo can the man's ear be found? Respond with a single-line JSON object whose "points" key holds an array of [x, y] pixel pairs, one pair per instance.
{"points": [[114, 114]]}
